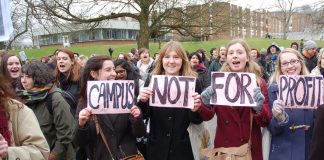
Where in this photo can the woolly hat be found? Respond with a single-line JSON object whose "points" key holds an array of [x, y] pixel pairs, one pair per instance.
{"points": [[309, 45], [273, 45]]}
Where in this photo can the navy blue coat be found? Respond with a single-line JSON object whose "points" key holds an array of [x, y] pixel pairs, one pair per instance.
{"points": [[287, 144]]}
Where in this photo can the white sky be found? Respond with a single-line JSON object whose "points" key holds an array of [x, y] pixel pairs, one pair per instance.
{"points": [[268, 4]]}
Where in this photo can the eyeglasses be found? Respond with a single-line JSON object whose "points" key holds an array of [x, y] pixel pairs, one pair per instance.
{"points": [[292, 62], [120, 71]]}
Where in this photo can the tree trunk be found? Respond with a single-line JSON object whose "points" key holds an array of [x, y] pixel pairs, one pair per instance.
{"points": [[144, 33]]}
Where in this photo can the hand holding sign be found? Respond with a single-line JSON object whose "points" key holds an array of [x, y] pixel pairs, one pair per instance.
{"points": [[258, 98], [197, 102], [278, 111], [3, 147], [145, 94], [206, 95], [135, 111], [84, 116]]}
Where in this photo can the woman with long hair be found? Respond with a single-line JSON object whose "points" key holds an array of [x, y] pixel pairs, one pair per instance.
{"points": [[120, 130], [283, 127], [11, 69], [67, 73], [168, 137], [233, 123], [20, 133]]}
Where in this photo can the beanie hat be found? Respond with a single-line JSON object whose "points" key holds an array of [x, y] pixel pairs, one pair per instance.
{"points": [[309, 45]]}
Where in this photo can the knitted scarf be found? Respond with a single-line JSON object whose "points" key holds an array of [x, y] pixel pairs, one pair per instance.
{"points": [[35, 95]]}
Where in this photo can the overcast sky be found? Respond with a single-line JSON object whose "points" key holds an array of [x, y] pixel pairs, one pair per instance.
{"points": [[268, 4]]}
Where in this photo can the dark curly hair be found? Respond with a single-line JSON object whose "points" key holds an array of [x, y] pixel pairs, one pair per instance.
{"points": [[40, 72], [195, 54]]}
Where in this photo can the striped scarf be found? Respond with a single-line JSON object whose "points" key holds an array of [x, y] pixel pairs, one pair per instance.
{"points": [[34, 95]]}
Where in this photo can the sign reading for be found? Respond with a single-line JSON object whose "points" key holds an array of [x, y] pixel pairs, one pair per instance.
{"points": [[172, 91], [233, 89], [110, 97], [301, 91]]}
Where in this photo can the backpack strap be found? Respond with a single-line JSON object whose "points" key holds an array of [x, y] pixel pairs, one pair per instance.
{"points": [[49, 104]]}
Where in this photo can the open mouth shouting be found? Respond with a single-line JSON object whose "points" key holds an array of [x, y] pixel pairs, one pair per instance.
{"points": [[14, 72]]}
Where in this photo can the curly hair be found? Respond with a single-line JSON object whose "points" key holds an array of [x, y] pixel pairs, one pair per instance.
{"points": [[40, 72]]}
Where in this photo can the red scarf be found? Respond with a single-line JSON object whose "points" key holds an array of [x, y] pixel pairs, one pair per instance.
{"points": [[4, 128]]}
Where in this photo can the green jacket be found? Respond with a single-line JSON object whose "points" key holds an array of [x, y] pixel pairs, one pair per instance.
{"points": [[57, 127], [29, 142]]}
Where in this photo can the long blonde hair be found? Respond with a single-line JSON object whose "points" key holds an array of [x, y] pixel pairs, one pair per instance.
{"points": [[275, 76], [185, 69], [250, 67]]}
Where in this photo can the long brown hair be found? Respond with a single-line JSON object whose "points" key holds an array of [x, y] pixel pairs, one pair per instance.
{"points": [[185, 69], [75, 72], [250, 67]]}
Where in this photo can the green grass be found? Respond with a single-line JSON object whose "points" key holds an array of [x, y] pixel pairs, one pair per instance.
{"points": [[191, 46]]}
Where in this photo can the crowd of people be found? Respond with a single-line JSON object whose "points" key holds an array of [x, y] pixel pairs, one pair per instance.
{"points": [[44, 112]]}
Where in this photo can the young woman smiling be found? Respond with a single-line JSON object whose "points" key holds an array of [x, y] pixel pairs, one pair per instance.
{"points": [[289, 142], [168, 138]]}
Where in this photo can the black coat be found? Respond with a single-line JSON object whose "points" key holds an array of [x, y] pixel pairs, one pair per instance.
{"points": [[318, 138], [120, 133], [168, 138]]}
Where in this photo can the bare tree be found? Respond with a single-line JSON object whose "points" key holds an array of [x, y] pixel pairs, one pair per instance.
{"points": [[286, 11], [155, 17], [20, 19]]}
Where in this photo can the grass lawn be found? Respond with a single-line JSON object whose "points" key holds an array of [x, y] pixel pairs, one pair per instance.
{"points": [[154, 47]]}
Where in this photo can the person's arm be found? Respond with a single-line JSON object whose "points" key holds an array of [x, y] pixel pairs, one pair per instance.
{"points": [[64, 124], [29, 141], [263, 117], [137, 123]]}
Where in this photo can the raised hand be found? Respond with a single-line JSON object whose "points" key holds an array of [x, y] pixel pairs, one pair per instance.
{"points": [[145, 94], [84, 116]]}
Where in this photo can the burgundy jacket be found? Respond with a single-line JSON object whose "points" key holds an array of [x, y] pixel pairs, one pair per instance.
{"points": [[233, 124]]}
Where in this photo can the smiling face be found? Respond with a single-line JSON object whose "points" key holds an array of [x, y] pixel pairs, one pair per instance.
{"points": [[254, 55], [237, 57], [107, 71], [14, 67], [194, 60], [64, 62], [27, 81], [290, 64], [121, 73], [172, 63]]}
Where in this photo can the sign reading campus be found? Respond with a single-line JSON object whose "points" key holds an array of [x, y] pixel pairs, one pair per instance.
{"points": [[172, 91], [233, 89], [110, 97], [301, 91]]}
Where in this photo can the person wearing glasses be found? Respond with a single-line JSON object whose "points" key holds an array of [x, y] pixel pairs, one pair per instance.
{"points": [[125, 71], [309, 54], [291, 129]]}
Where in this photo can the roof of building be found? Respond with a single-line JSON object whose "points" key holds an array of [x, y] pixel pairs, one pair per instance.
{"points": [[120, 23]]}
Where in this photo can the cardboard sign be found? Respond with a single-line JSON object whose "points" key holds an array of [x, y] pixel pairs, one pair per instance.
{"points": [[172, 91], [23, 56], [6, 28], [233, 89], [110, 97], [301, 91]]}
